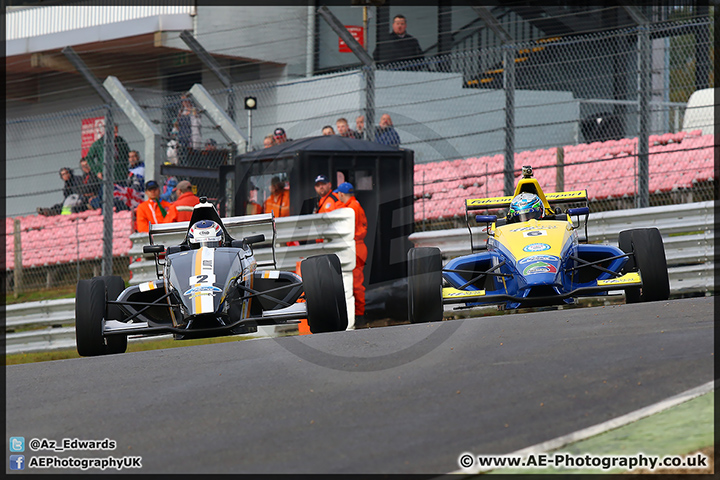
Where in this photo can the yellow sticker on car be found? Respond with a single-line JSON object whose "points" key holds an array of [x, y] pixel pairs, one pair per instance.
{"points": [[449, 292], [632, 278]]}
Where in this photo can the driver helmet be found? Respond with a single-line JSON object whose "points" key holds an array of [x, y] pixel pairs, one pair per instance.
{"points": [[205, 233], [524, 207]]}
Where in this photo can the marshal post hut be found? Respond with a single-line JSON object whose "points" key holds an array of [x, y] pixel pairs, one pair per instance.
{"points": [[383, 180]]}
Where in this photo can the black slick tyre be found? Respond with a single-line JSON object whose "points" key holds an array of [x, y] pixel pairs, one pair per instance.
{"points": [[425, 285], [90, 307], [324, 294], [648, 258], [115, 286]]}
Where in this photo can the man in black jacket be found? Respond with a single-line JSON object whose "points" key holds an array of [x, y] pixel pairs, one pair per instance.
{"points": [[399, 45]]}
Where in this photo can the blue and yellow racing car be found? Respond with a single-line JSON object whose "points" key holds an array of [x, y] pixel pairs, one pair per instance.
{"points": [[535, 256]]}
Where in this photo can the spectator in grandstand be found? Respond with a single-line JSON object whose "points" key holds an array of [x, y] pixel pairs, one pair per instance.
{"points": [[279, 199], [386, 133], [343, 129], [153, 210], [398, 46], [91, 186], [136, 175], [73, 199], [268, 141], [188, 128], [280, 136], [96, 155], [328, 130], [169, 189], [182, 208], [360, 128]]}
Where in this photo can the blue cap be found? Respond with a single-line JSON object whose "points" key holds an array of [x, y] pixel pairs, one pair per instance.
{"points": [[151, 184], [321, 179], [346, 188]]}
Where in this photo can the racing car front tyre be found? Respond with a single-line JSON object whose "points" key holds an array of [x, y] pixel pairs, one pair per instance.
{"points": [[115, 286], [90, 307], [648, 258], [324, 294], [425, 285]]}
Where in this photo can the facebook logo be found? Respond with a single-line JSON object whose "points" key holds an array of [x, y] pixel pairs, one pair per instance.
{"points": [[17, 462], [17, 444]]}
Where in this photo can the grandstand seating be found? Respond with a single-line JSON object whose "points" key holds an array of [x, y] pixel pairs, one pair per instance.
{"points": [[607, 170], [65, 238]]}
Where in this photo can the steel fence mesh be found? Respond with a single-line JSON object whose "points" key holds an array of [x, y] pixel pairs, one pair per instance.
{"points": [[576, 121]]}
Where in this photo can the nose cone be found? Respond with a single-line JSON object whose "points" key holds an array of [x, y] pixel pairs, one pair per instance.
{"points": [[540, 270]]}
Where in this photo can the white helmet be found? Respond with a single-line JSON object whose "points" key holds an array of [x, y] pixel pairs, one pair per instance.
{"points": [[205, 233]]}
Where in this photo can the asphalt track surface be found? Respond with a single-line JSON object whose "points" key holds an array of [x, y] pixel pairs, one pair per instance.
{"points": [[400, 399]]}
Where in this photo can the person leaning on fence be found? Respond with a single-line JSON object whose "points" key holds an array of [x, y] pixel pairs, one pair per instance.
{"points": [[182, 208], [343, 129], [346, 199], [360, 128], [279, 200], [399, 45], [386, 133], [153, 210], [280, 136]]}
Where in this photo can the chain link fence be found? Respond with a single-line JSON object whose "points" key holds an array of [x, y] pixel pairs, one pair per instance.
{"points": [[576, 120]]}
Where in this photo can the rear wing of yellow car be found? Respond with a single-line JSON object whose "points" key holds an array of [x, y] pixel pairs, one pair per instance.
{"points": [[555, 198]]}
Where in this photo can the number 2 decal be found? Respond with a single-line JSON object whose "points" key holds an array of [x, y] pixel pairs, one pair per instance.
{"points": [[195, 279]]}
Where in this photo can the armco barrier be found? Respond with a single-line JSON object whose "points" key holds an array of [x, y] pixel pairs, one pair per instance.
{"points": [[687, 230]]}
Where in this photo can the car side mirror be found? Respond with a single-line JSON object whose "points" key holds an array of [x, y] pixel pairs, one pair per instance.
{"points": [[153, 248], [254, 239], [485, 218], [579, 211]]}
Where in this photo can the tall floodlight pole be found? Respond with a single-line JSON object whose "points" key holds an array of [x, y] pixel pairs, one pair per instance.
{"points": [[250, 105]]}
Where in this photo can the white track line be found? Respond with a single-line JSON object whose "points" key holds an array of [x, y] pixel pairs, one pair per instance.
{"points": [[585, 433]]}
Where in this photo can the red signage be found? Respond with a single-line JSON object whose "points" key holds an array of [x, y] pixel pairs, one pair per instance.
{"points": [[358, 34], [92, 129]]}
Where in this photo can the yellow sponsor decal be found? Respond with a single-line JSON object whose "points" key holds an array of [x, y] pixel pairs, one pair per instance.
{"points": [[632, 278], [488, 202], [449, 292], [566, 196], [499, 202]]}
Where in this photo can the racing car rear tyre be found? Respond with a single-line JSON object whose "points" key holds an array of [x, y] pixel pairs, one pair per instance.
{"points": [[425, 285], [115, 286], [648, 258], [90, 307], [324, 294]]}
